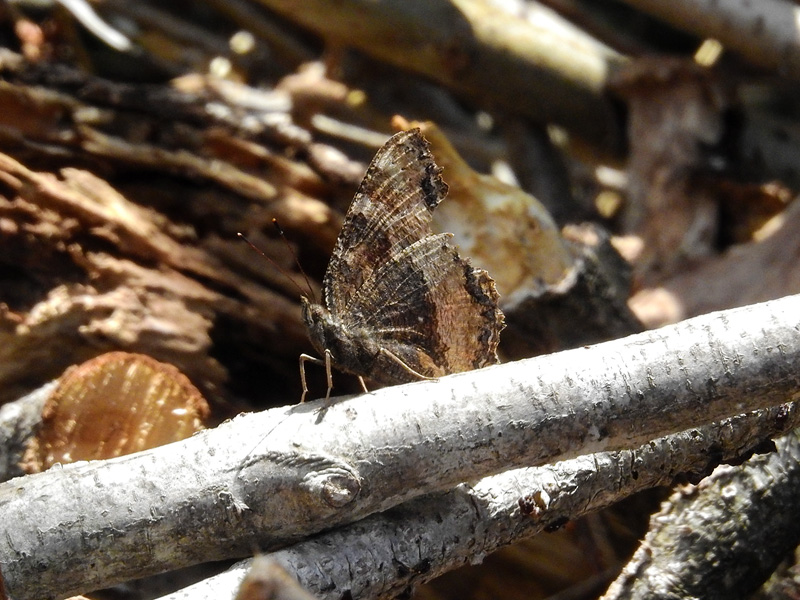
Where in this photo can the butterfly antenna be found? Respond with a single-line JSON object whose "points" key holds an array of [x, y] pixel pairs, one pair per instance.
{"points": [[296, 261], [283, 271]]}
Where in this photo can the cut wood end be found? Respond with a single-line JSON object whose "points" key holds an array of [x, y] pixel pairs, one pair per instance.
{"points": [[115, 404]]}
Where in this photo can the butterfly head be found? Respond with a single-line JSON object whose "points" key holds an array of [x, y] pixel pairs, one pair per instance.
{"points": [[319, 324], [313, 316]]}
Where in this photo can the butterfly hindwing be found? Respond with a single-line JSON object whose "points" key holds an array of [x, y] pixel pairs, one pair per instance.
{"points": [[435, 305]]}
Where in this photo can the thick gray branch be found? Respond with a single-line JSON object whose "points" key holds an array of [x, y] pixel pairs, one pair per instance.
{"points": [[384, 555], [268, 479], [549, 71], [722, 539], [764, 32], [18, 423]]}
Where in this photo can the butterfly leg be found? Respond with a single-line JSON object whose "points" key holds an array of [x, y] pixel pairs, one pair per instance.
{"points": [[304, 358], [363, 385], [328, 374], [400, 362], [308, 358]]}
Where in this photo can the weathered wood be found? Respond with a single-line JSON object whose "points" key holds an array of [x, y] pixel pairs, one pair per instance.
{"points": [[265, 480], [389, 553]]}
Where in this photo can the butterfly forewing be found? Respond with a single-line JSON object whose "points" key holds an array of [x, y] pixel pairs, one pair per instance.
{"points": [[391, 210]]}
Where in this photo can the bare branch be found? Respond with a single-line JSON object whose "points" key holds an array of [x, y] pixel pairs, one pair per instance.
{"points": [[764, 33], [268, 479], [544, 71], [723, 538], [18, 423], [383, 555]]}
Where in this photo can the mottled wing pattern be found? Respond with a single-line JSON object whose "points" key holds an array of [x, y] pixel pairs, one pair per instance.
{"points": [[390, 211], [440, 315]]}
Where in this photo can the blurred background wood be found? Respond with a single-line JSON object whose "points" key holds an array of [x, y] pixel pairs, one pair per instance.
{"points": [[137, 140]]}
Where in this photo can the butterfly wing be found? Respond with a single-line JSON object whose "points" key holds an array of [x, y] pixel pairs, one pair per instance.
{"points": [[390, 211], [439, 315]]}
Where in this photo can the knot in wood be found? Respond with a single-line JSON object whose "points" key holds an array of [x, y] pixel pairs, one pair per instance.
{"points": [[340, 489]]}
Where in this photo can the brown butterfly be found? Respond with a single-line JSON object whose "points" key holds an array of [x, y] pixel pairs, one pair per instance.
{"points": [[400, 303]]}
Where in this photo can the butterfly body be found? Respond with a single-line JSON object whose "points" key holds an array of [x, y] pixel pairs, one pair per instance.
{"points": [[352, 350], [400, 304]]}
